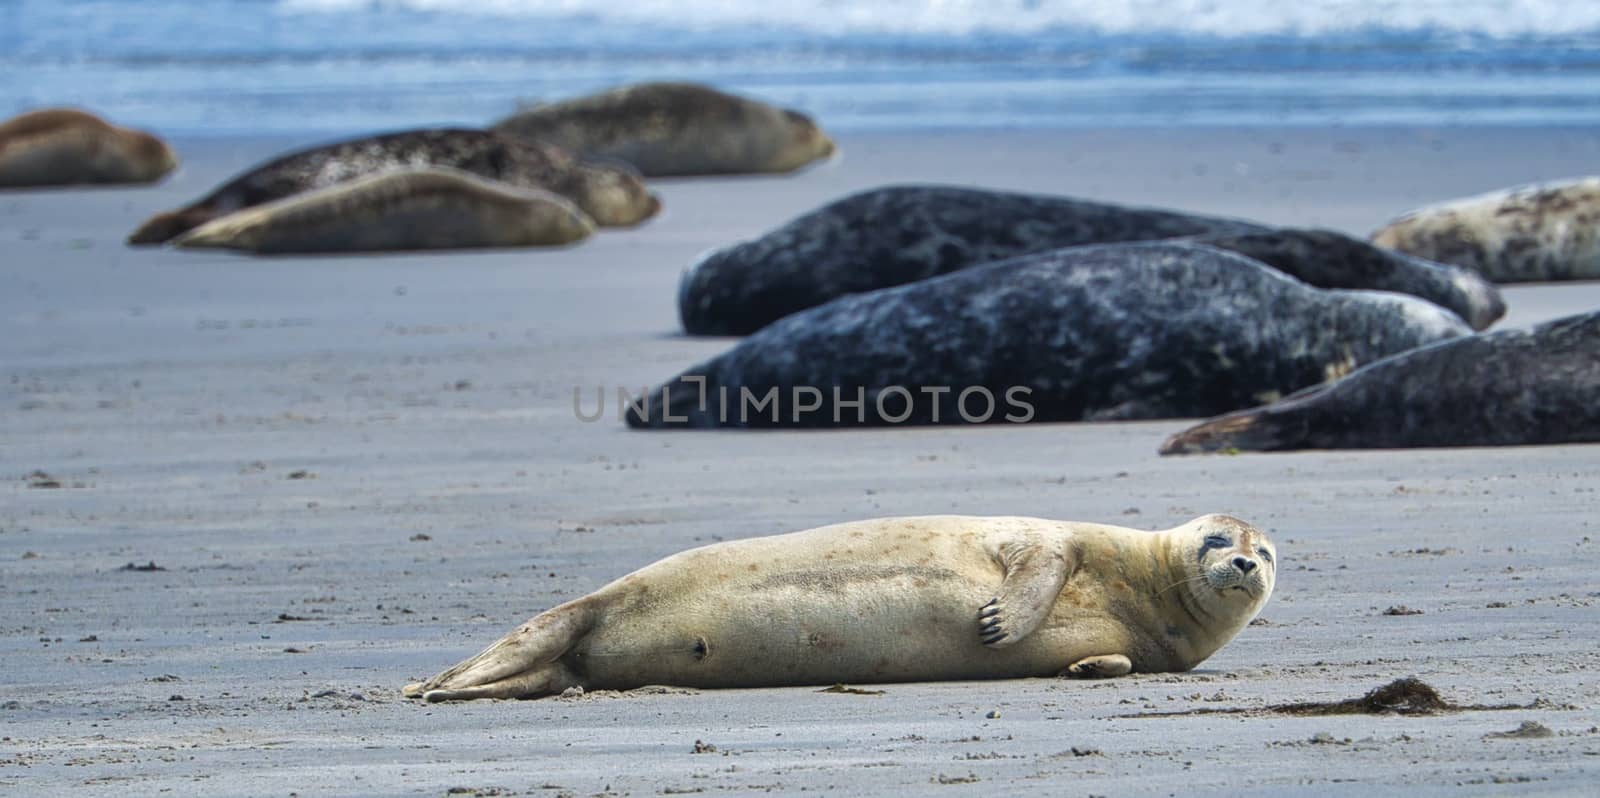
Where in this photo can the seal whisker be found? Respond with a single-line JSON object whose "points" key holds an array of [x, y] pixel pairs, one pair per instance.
{"points": [[1185, 581]]}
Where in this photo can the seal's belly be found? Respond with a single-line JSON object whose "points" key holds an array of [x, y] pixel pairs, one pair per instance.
{"points": [[864, 623]]}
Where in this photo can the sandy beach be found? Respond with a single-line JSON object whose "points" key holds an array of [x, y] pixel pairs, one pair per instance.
{"points": [[244, 500]]}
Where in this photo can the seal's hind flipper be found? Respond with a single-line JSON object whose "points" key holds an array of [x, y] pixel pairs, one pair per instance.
{"points": [[548, 680], [1099, 666], [1034, 574], [523, 664]]}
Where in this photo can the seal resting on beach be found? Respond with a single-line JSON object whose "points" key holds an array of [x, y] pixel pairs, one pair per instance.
{"points": [[676, 129], [1508, 388], [611, 196], [1549, 231], [407, 209], [63, 147], [1328, 259], [932, 598], [902, 234], [895, 235], [1113, 332]]}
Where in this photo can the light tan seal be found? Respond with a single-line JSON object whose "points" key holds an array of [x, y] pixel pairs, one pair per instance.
{"points": [[676, 129], [63, 147], [1548, 231], [410, 209], [893, 600]]}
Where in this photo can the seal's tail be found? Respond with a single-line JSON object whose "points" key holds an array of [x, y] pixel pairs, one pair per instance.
{"points": [[164, 227], [523, 664], [689, 401], [1267, 428]]}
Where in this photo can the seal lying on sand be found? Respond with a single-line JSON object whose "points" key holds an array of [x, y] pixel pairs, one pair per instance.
{"points": [[62, 147], [896, 235], [901, 234], [1120, 331], [609, 195], [893, 600], [1525, 234], [1509, 388], [1327, 259], [431, 208], [673, 129]]}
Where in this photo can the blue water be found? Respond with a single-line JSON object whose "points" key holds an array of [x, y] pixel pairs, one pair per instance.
{"points": [[292, 66]]}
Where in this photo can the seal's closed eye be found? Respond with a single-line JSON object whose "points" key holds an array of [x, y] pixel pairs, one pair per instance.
{"points": [[1214, 542]]}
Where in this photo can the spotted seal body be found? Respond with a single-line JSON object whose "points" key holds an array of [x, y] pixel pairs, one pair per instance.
{"points": [[1123, 331], [407, 209], [1549, 231], [901, 234], [676, 129], [609, 195], [1508, 388], [896, 235], [1328, 259], [893, 600], [62, 147]]}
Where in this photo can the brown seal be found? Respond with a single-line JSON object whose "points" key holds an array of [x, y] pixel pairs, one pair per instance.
{"points": [[63, 147], [612, 196], [675, 129]]}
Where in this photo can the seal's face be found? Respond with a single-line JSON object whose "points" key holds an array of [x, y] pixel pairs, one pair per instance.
{"points": [[618, 198], [1237, 561], [808, 143], [152, 158]]}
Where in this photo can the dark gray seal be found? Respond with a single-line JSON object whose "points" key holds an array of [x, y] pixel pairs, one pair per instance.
{"points": [[1327, 259], [64, 147], [611, 196], [676, 129], [1531, 233], [901, 234], [1126, 331], [1508, 388]]}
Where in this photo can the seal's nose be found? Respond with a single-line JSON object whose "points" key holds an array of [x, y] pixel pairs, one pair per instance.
{"points": [[1244, 564]]}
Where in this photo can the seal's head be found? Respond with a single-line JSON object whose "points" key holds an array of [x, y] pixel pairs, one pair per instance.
{"points": [[807, 142], [136, 157], [613, 195], [152, 157], [1231, 565]]}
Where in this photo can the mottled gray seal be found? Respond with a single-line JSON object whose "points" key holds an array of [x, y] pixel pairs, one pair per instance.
{"points": [[1549, 231], [63, 147], [931, 598], [404, 209], [901, 234], [610, 195], [1327, 259], [675, 129], [1120, 331], [1508, 388]]}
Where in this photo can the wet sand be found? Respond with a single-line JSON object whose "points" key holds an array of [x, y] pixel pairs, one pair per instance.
{"points": [[348, 473]]}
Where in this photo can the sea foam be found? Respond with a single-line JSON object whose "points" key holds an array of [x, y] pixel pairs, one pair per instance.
{"points": [[1232, 18]]}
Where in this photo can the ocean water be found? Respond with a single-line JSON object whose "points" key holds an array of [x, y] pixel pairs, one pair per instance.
{"points": [[187, 67]]}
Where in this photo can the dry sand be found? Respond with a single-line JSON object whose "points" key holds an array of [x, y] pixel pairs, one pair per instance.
{"points": [[352, 472]]}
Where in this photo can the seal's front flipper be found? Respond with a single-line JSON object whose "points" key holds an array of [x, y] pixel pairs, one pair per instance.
{"points": [[1034, 574], [1100, 666]]}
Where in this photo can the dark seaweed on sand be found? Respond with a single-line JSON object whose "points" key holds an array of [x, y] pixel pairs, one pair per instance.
{"points": [[1407, 696]]}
